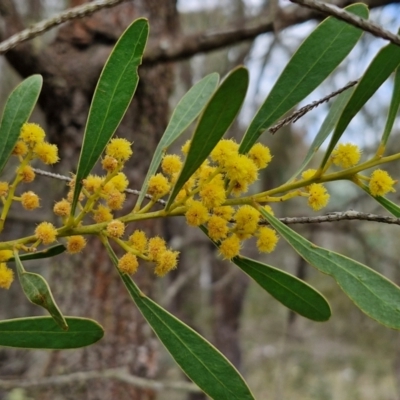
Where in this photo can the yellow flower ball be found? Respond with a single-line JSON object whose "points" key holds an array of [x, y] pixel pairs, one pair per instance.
{"points": [[110, 164], [247, 219], [230, 247], [138, 240], [3, 188], [5, 255], [46, 232], [115, 200], [171, 164], [46, 152], [225, 212], [318, 196], [32, 134], [381, 183], [120, 181], [30, 200], [75, 244], [62, 208], [120, 149], [346, 155], [128, 263], [116, 228], [156, 246], [260, 155], [92, 183], [27, 174], [166, 261], [217, 227], [6, 276], [196, 214], [20, 148], [224, 150], [213, 194], [102, 214], [158, 186], [267, 239]]}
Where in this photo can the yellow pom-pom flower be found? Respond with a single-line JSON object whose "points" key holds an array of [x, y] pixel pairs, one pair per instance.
{"points": [[116, 228], [20, 148], [92, 183], [102, 214], [223, 151], [30, 200], [166, 261], [27, 174], [185, 148], [318, 196], [120, 181], [196, 214], [6, 276], [241, 168], [62, 208], [46, 232], [217, 227], [309, 173], [346, 155], [120, 149], [171, 164], [110, 164], [246, 218], [5, 255], [260, 155], [158, 186], [116, 199], [230, 247], [46, 152], [3, 188], [381, 183], [128, 263], [32, 134], [267, 239], [75, 244], [213, 194], [138, 240], [225, 212], [156, 246]]}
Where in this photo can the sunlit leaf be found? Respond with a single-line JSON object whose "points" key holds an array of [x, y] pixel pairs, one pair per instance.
{"points": [[291, 291], [113, 94], [215, 120], [312, 63], [44, 333], [187, 110], [374, 294], [16, 112]]}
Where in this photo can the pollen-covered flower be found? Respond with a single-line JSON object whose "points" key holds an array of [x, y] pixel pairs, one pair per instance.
{"points": [[267, 239], [120, 181], [238, 188], [75, 244], [230, 247], [109, 163], [102, 214], [128, 263], [46, 232], [155, 247], [62, 208], [241, 168], [381, 183], [5, 255], [32, 134], [138, 240], [225, 212], [217, 227], [116, 228], [213, 193], [309, 173], [224, 150], [260, 155], [3, 188], [158, 186], [166, 261], [246, 218], [171, 164], [46, 152], [27, 174], [6, 276], [20, 148], [116, 199], [120, 149], [92, 183], [185, 148], [318, 196], [196, 214], [29, 200], [346, 155]]}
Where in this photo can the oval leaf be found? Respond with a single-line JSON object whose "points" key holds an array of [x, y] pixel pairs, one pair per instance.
{"points": [[291, 291], [199, 360], [44, 333], [314, 60], [380, 68], [370, 291], [46, 253], [17, 111], [217, 117], [187, 110], [38, 292], [113, 94]]}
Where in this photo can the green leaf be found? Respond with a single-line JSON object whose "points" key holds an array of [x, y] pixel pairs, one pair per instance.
{"points": [[291, 291], [393, 109], [216, 119], [199, 360], [17, 111], [113, 94], [44, 333], [38, 292], [375, 295], [380, 68], [314, 60], [46, 253], [326, 128], [187, 110], [393, 208]]}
